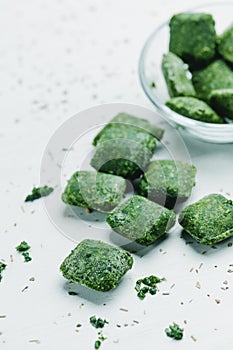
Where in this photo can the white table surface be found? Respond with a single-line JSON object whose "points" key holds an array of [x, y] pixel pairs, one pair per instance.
{"points": [[58, 57]]}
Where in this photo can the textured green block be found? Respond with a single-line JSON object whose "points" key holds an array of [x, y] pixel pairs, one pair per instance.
{"points": [[225, 44], [218, 75], [141, 220], [125, 146], [96, 265], [125, 125], [194, 108], [168, 182], [125, 154], [176, 76], [222, 102], [96, 191], [192, 37], [210, 220]]}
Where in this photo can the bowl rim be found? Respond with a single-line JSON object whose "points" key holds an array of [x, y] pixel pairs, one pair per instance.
{"points": [[162, 108]]}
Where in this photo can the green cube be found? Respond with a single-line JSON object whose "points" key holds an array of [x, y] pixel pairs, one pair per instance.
{"points": [[218, 75], [96, 265], [210, 220], [222, 102], [124, 123], [97, 191], [225, 44], [168, 182], [193, 37], [141, 220], [127, 157], [194, 108], [176, 76]]}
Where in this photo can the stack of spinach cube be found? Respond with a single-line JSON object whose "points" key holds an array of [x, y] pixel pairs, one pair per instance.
{"points": [[194, 45], [123, 151]]}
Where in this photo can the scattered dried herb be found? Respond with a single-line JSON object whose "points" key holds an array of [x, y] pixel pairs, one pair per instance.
{"points": [[23, 247], [97, 344], [26, 256], [2, 268], [98, 322], [38, 192], [101, 336], [174, 331], [147, 285]]}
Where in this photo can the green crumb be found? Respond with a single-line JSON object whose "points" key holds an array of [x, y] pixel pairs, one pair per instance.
{"points": [[168, 182], [210, 220], [98, 322], [26, 256], [147, 285], [218, 75], [2, 268], [96, 265], [153, 85], [38, 192], [78, 325], [225, 44], [101, 336], [174, 331], [141, 220], [98, 191], [124, 123], [97, 344], [23, 247], [193, 37], [194, 108], [222, 102], [176, 76]]}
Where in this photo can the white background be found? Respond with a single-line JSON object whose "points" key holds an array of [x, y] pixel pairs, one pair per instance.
{"points": [[57, 58]]}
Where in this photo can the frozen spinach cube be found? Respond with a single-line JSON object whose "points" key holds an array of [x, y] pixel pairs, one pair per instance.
{"points": [[218, 75], [97, 191], [210, 220], [176, 76], [168, 182], [125, 146], [193, 37], [127, 153], [125, 123], [194, 108], [141, 220], [222, 102], [96, 265], [225, 44]]}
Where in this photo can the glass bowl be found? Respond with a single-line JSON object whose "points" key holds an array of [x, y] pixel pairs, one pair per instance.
{"points": [[150, 72]]}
